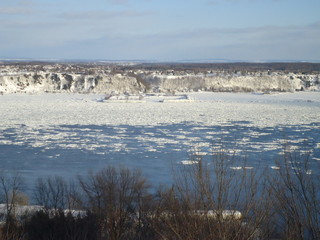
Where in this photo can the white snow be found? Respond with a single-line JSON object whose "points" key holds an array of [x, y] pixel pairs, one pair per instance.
{"points": [[208, 109], [187, 162], [275, 167], [23, 210]]}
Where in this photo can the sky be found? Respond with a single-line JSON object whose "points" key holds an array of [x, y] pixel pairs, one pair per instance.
{"points": [[161, 30]]}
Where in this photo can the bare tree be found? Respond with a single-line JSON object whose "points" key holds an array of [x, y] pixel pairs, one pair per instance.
{"points": [[296, 189], [51, 192], [205, 201], [10, 189], [115, 195]]}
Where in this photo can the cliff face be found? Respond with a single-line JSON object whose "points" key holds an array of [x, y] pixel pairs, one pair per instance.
{"points": [[76, 83], [227, 83], [107, 81]]}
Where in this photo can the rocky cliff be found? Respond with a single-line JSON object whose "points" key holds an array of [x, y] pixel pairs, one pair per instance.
{"points": [[106, 80]]}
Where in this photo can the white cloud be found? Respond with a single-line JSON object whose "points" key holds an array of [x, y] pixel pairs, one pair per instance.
{"points": [[17, 7], [295, 42], [16, 10], [121, 2], [128, 34], [100, 15], [216, 2]]}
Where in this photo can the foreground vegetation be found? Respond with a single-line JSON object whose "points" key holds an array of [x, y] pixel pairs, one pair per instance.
{"points": [[204, 202]]}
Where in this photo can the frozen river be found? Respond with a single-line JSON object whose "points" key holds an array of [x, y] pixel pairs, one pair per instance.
{"points": [[70, 134]]}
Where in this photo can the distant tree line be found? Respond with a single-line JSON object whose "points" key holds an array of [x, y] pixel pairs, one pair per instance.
{"points": [[206, 201], [91, 67], [295, 67]]}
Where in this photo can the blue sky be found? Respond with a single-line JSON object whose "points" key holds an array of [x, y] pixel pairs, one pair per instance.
{"points": [[163, 30]]}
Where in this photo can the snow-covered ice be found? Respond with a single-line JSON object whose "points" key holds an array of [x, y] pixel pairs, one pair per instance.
{"points": [[68, 134]]}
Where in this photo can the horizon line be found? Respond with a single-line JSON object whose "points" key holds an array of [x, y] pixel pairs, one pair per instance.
{"points": [[82, 60]]}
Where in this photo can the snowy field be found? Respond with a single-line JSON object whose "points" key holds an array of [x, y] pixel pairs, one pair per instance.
{"points": [[70, 134]]}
